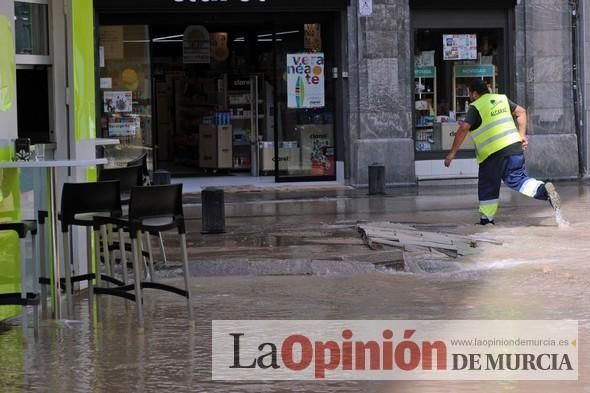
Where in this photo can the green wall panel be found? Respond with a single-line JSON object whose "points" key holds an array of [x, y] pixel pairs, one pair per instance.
{"points": [[9, 242], [83, 68]]}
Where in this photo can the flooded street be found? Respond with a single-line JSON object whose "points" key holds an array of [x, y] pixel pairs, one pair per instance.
{"points": [[540, 271]]}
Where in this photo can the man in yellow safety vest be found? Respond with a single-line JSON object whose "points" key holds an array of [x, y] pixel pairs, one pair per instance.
{"points": [[499, 145]]}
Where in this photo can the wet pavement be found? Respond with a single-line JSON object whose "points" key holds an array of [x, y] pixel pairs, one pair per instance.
{"points": [[540, 271]]}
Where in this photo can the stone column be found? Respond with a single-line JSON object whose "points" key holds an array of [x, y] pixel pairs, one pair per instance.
{"points": [[584, 39], [544, 86], [380, 92]]}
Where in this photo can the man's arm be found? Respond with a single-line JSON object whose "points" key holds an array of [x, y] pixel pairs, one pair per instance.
{"points": [[457, 142], [521, 120]]}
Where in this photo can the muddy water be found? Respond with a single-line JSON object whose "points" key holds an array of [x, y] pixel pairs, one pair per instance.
{"points": [[169, 356], [541, 271]]}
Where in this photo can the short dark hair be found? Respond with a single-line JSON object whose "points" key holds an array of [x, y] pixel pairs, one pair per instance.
{"points": [[479, 85]]}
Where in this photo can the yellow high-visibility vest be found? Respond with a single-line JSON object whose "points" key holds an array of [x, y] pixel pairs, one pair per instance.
{"points": [[497, 129]]}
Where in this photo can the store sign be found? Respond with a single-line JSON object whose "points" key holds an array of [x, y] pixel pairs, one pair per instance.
{"points": [[365, 7], [305, 80], [196, 46], [459, 46], [471, 71], [239, 82], [424, 72]]}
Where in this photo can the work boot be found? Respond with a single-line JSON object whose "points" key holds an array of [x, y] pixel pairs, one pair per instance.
{"points": [[553, 196], [485, 221]]}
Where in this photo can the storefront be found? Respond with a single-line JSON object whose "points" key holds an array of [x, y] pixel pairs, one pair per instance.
{"points": [[223, 88], [451, 47]]}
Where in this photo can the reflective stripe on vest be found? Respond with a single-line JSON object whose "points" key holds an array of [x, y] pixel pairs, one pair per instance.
{"points": [[497, 129]]}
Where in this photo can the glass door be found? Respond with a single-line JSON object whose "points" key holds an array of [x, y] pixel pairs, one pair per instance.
{"points": [[305, 145], [250, 100], [126, 92]]}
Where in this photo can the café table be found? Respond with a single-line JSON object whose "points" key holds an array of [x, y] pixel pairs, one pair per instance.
{"points": [[50, 166]]}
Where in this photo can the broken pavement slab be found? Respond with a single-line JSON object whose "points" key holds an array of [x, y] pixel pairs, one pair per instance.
{"points": [[419, 247]]}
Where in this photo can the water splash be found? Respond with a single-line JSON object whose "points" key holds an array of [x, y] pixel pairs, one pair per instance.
{"points": [[562, 223]]}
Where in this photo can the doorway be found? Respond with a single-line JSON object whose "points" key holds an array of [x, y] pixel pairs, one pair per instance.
{"points": [[222, 98]]}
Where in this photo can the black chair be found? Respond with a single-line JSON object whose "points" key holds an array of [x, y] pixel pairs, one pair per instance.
{"points": [[130, 176], [153, 208], [142, 161], [147, 181], [80, 204], [24, 298]]}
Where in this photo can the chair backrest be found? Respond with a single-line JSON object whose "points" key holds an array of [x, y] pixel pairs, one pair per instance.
{"points": [[142, 161], [156, 201], [129, 176], [94, 197]]}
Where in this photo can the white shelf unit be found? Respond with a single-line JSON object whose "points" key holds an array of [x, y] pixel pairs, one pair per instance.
{"points": [[425, 98], [462, 76]]}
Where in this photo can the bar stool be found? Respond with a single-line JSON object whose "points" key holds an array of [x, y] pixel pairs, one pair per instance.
{"points": [[24, 298], [128, 177], [147, 181], [154, 208], [80, 204], [142, 162]]}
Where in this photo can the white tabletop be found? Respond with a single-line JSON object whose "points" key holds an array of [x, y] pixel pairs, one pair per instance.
{"points": [[106, 141], [53, 163]]}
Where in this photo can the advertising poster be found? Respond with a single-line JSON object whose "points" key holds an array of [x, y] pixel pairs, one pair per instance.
{"points": [[196, 46], [118, 102], [313, 37], [305, 80], [219, 49], [124, 125], [459, 46], [111, 39]]}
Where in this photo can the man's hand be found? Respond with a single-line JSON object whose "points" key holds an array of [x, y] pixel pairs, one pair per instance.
{"points": [[525, 142], [450, 157], [457, 142]]}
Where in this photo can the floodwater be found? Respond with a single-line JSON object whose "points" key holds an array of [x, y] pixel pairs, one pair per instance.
{"points": [[541, 271]]}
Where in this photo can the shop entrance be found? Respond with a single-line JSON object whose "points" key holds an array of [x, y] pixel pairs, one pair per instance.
{"points": [[451, 47], [218, 96]]}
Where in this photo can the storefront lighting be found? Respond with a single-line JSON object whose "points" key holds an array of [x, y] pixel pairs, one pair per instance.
{"points": [[279, 33], [168, 37]]}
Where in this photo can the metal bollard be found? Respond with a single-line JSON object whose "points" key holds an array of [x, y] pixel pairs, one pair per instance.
{"points": [[213, 210], [161, 177], [376, 179]]}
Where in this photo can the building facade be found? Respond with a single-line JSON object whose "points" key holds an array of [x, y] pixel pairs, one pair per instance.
{"points": [[377, 106], [216, 87], [535, 45]]}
